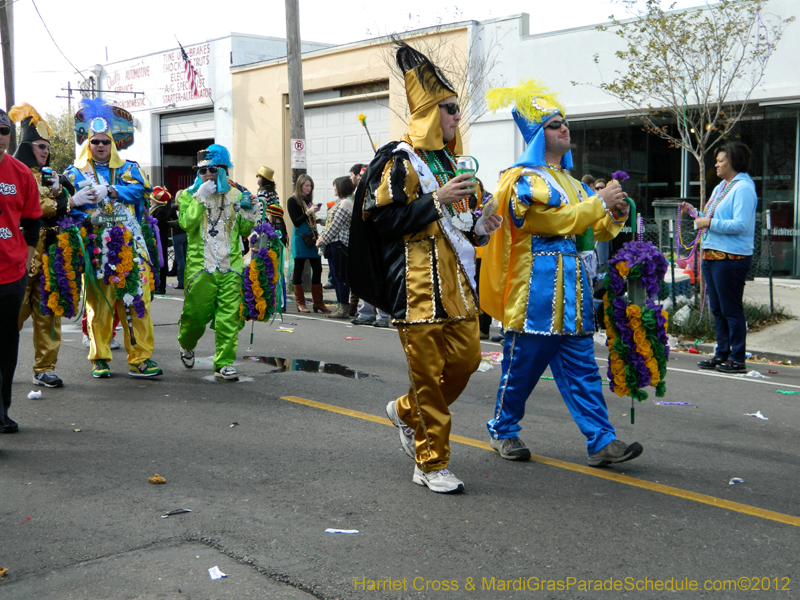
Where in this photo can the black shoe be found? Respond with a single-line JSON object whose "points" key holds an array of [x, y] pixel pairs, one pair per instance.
{"points": [[360, 321], [497, 338], [731, 366], [712, 363], [9, 426], [380, 323]]}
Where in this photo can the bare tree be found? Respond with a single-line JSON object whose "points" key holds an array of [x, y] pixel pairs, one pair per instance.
{"points": [[693, 69], [469, 71]]}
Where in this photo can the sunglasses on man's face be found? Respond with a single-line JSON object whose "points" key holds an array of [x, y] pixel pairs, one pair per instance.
{"points": [[451, 108], [204, 170], [599, 187], [557, 124], [42, 147], [101, 142], [5, 130]]}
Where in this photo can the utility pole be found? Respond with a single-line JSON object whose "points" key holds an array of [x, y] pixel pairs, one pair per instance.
{"points": [[297, 117], [7, 41]]}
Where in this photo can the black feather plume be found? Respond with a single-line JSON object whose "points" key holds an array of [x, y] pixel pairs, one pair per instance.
{"points": [[429, 75]]}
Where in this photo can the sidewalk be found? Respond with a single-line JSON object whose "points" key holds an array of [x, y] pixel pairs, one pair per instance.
{"points": [[776, 342]]}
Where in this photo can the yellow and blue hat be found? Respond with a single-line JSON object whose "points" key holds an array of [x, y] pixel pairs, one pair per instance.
{"points": [[533, 105]]}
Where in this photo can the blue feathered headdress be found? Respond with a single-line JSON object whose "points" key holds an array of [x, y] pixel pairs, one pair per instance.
{"points": [[217, 156], [98, 117]]}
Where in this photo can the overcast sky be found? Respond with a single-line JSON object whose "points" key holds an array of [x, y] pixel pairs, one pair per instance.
{"points": [[98, 32]]}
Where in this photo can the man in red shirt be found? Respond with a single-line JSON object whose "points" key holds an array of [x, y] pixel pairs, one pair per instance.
{"points": [[20, 214]]}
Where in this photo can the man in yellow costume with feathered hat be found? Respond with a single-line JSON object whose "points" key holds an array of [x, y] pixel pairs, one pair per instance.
{"points": [[34, 152], [412, 246], [534, 280], [112, 192]]}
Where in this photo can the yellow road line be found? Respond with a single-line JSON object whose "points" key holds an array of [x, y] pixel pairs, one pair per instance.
{"points": [[562, 464]]}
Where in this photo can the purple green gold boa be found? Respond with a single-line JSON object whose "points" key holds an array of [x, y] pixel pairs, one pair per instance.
{"points": [[62, 266], [636, 336], [118, 264], [260, 292]]}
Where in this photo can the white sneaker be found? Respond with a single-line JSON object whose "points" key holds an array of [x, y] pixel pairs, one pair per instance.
{"points": [[187, 358], [114, 344], [86, 342], [228, 373], [406, 433], [441, 481]]}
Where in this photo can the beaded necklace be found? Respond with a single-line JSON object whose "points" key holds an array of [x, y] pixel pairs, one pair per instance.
{"points": [[442, 175], [715, 202], [712, 207]]}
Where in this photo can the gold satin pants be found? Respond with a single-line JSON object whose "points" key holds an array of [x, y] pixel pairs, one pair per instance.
{"points": [[100, 321], [45, 349], [441, 357]]}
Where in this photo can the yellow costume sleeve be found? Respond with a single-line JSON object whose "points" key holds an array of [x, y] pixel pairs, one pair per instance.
{"points": [[537, 208], [399, 183]]}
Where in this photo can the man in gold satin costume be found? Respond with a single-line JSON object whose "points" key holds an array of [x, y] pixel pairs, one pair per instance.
{"points": [[534, 280], [34, 152], [412, 242]]}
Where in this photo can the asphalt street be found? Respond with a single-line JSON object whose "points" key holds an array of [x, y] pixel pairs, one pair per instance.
{"points": [[267, 464]]}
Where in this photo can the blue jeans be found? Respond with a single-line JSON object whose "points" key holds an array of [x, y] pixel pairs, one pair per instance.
{"points": [[725, 281], [179, 246], [338, 268]]}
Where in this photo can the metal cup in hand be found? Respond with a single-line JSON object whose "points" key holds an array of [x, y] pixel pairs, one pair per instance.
{"points": [[467, 164]]}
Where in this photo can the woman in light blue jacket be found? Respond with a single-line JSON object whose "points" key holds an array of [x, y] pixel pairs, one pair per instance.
{"points": [[730, 223]]}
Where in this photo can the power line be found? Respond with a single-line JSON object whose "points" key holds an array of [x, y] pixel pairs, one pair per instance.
{"points": [[6, 3], [54, 41]]}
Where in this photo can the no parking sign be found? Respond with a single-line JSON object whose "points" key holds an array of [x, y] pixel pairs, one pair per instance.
{"points": [[298, 154]]}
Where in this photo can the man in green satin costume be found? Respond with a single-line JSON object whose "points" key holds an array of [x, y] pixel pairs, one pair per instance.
{"points": [[215, 214]]}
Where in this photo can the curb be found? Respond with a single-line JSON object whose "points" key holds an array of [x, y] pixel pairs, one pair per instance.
{"points": [[777, 356]]}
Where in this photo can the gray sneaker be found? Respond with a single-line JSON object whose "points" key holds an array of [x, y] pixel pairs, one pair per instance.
{"points": [[49, 379], [187, 358], [615, 452], [113, 344], [406, 433], [511, 448], [441, 481]]}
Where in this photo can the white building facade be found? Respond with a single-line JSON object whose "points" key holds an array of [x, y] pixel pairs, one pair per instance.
{"points": [[605, 139]]}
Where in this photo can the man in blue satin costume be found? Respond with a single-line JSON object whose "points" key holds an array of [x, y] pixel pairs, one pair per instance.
{"points": [[534, 281]]}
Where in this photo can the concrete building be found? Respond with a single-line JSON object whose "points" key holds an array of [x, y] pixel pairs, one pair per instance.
{"points": [[171, 123], [340, 83]]}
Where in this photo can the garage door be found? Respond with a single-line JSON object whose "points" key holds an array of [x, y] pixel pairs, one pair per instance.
{"points": [[187, 126], [336, 140]]}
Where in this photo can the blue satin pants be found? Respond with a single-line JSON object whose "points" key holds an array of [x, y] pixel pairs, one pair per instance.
{"points": [[571, 360]]}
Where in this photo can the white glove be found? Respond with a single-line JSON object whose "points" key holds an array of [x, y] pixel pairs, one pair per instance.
{"points": [[56, 185], [206, 189], [486, 226], [101, 191], [84, 196]]}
